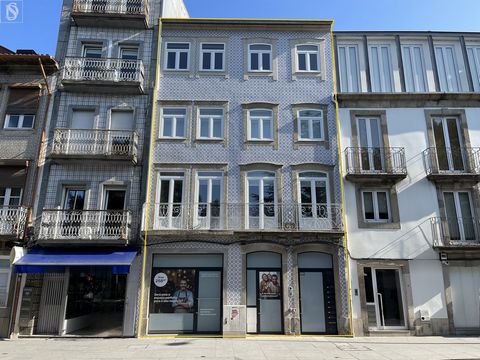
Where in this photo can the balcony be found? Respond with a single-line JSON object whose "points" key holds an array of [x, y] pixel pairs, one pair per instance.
{"points": [[86, 226], [111, 13], [12, 221], [367, 164], [118, 76], [259, 217], [94, 143], [452, 164], [456, 232]]}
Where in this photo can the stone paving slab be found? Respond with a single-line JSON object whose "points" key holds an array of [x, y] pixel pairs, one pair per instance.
{"points": [[251, 348]]}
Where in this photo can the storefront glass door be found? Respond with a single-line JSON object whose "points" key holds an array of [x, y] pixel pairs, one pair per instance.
{"points": [[209, 301]]}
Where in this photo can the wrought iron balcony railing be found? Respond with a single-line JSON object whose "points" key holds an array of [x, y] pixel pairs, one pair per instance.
{"points": [[452, 161], [95, 142], [247, 216], [375, 161], [86, 225], [13, 220], [119, 7], [455, 231], [108, 70]]}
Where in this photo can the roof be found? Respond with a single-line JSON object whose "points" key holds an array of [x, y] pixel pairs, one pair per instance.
{"points": [[26, 60]]}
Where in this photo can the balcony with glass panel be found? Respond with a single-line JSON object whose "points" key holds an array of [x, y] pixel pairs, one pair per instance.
{"points": [[111, 13]]}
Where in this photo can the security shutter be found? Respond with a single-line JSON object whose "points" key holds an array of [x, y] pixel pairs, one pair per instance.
{"points": [[23, 101]]}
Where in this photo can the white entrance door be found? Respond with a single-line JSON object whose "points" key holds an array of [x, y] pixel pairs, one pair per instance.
{"points": [[465, 285]]}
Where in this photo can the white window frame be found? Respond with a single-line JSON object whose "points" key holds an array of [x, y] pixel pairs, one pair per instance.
{"points": [[7, 271], [174, 123], [96, 46], [260, 58], [261, 120], [171, 178], [450, 79], [458, 210], [209, 178], [310, 120], [212, 56], [261, 198], [211, 119], [20, 122], [319, 177], [307, 58], [349, 80], [177, 56], [376, 216], [474, 62], [7, 197], [381, 68], [417, 82]]}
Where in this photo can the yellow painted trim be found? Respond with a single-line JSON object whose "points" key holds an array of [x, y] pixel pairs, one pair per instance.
{"points": [[251, 19], [149, 182], [342, 190]]}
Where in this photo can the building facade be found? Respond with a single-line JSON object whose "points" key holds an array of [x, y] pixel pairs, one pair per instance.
{"points": [[80, 275], [243, 224], [26, 82], [409, 109]]}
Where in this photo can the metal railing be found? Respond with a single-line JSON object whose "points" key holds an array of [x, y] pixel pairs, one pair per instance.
{"points": [[460, 160], [114, 70], [127, 7], [85, 225], [247, 216], [455, 231], [88, 142], [375, 160], [13, 220]]}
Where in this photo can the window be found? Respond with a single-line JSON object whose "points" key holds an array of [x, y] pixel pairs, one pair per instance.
{"points": [[19, 121], [260, 57], [349, 68], [173, 123], [260, 124], [10, 196], [4, 280], [177, 56], [310, 124], [313, 195], [308, 58], [212, 57], [74, 199], [210, 123], [381, 68], [92, 51], [473, 53], [170, 201], [448, 144], [414, 66], [261, 198], [82, 119], [371, 145], [447, 68], [460, 216], [376, 206], [209, 199]]}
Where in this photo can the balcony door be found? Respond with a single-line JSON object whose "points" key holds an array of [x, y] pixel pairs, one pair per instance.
{"points": [[82, 140], [129, 65], [314, 201], [448, 144], [262, 201], [73, 206], [114, 221], [120, 137], [99, 6], [10, 200], [460, 219], [170, 205], [371, 145], [91, 66], [209, 206]]}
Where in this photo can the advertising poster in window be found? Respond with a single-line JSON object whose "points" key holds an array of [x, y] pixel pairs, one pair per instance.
{"points": [[172, 291], [269, 284]]}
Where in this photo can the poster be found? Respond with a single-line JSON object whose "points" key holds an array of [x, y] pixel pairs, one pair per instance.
{"points": [[269, 284], [172, 291]]}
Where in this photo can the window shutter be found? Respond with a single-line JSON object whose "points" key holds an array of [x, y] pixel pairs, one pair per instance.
{"points": [[23, 100], [13, 176]]}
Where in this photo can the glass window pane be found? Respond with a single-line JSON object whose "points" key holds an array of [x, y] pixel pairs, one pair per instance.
{"points": [[178, 46], [268, 191], [409, 78], [174, 111], [260, 47], [167, 126], [368, 206], [311, 174], [376, 82], [171, 60], [253, 192], [321, 192], [386, 68], [254, 61], [266, 61], [204, 125], [302, 62], [217, 128], [180, 127], [260, 113], [313, 62], [304, 129], [218, 61], [183, 60], [13, 121], [177, 191], [343, 69], [419, 69], [213, 46], [353, 68], [206, 61], [210, 111], [27, 121], [255, 128], [164, 190], [267, 129], [252, 174], [15, 191], [383, 213], [203, 191], [310, 113], [317, 129]]}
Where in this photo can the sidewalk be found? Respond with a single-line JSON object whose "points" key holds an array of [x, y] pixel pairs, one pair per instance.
{"points": [[252, 348]]}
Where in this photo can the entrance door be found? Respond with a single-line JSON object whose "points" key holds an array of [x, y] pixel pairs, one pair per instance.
{"points": [[448, 144], [209, 301], [371, 144], [114, 216], [460, 220], [384, 293], [465, 285]]}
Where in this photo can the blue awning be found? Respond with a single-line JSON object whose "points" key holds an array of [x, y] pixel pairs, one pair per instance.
{"points": [[50, 260]]}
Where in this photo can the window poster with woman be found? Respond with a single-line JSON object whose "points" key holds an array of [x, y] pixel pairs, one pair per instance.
{"points": [[269, 285], [172, 291]]}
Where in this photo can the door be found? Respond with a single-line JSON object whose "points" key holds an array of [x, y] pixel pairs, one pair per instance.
{"points": [[371, 145], [312, 305], [79, 138], [448, 144], [465, 286], [209, 201], [261, 198], [386, 297], [209, 302], [128, 69], [10, 200], [460, 220], [114, 221], [92, 68], [51, 299], [171, 207], [315, 201], [73, 212], [120, 134]]}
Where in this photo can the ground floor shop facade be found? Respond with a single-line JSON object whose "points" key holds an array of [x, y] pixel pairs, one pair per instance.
{"points": [[240, 288]]}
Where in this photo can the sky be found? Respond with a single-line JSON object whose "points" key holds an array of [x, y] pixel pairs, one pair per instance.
{"points": [[39, 28]]}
